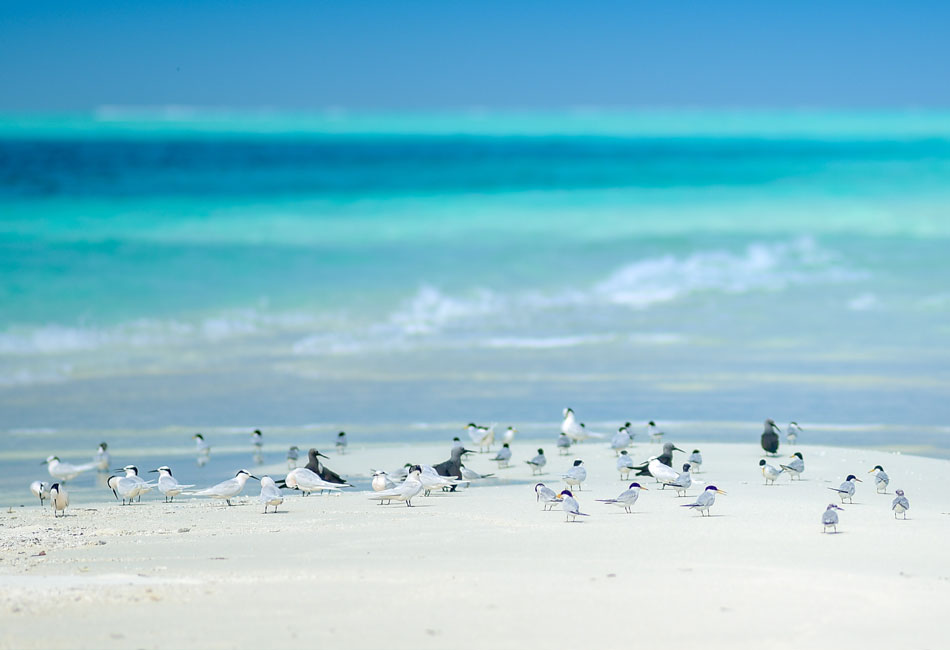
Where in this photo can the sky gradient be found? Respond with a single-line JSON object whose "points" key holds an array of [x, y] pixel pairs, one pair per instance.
{"points": [[64, 56]]}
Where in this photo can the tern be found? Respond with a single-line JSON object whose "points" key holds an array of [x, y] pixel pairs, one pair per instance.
{"points": [[881, 479], [63, 472], [664, 474], [654, 432], [201, 445], [40, 490], [569, 505], [292, 455], [484, 437], [627, 498], [770, 437], [341, 442], [576, 475], [257, 439], [132, 485], [546, 495], [308, 481], [575, 430], [770, 472], [324, 472], [682, 482], [453, 466], [103, 459], [537, 463], [621, 440], [666, 458], [830, 518], [900, 504], [470, 475], [227, 490], [58, 498], [503, 457], [381, 481], [705, 500], [405, 490], [168, 485], [795, 466], [846, 489], [563, 444], [791, 432], [509, 435], [432, 480], [270, 494], [624, 465], [695, 460]]}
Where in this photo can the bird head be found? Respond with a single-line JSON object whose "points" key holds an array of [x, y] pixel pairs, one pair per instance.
{"points": [[636, 485], [686, 467], [713, 488], [540, 452], [564, 493], [623, 453], [50, 459], [877, 468], [899, 493], [852, 477], [797, 454], [832, 506], [578, 462], [198, 436], [246, 474], [313, 453], [103, 446], [762, 463]]}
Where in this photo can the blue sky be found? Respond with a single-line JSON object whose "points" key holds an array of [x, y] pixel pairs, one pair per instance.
{"points": [[60, 56]]}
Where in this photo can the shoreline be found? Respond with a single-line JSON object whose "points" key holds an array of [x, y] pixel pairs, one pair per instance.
{"points": [[344, 570]]}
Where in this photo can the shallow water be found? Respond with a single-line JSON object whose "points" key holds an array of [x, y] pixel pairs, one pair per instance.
{"points": [[196, 271]]}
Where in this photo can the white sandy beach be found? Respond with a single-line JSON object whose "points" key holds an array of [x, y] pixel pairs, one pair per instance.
{"points": [[487, 566]]}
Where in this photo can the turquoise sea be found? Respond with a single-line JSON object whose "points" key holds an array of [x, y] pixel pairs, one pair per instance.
{"points": [[399, 275]]}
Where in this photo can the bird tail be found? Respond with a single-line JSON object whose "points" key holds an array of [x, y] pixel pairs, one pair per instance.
{"points": [[606, 500], [580, 514], [785, 468], [688, 505], [837, 490]]}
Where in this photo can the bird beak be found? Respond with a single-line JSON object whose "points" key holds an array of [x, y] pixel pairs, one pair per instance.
{"points": [[643, 488], [254, 477], [321, 455], [869, 471], [153, 471], [858, 480], [677, 449], [467, 451], [721, 491]]}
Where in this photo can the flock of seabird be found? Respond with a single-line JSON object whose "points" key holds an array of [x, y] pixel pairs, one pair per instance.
{"points": [[407, 482]]}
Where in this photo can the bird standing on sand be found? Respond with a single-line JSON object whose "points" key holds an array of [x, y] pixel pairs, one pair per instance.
{"points": [[881, 479], [168, 485], [569, 505], [132, 474], [791, 432], [40, 490], [404, 491], [292, 455], [654, 432], [795, 466], [563, 444], [900, 504], [682, 482], [770, 472], [537, 463], [58, 498], [576, 474], [503, 457], [509, 435], [381, 481], [318, 468], [624, 465], [103, 459], [621, 440], [705, 500], [695, 460], [341, 443], [308, 481], [666, 458], [124, 487], [546, 495], [830, 518], [770, 437], [482, 436], [627, 498], [575, 430], [453, 466], [227, 490], [846, 489], [270, 494]]}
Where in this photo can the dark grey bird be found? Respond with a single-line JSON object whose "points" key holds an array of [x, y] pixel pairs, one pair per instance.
{"points": [[666, 458], [770, 437], [453, 466], [318, 468]]}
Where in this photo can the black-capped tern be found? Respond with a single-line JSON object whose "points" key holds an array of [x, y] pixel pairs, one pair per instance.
{"points": [[509, 435], [227, 490], [40, 490], [341, 442], [307, 482], [576, 475], [103, 458], [791, 432], [770, 472], [654, 432], [846, 489], [546, 495], [627, 498], [257, 439], [58, 498], [624, 465], [168, 485], [569, 505], [292, 455], [621, 440], [538, 462], [482, 436], [404, 491], [795, 467], [63, 472], [695, 460], [881, 479], [563, 444], [575, 430], [683, 482], [705, 500], [503, 457]]}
